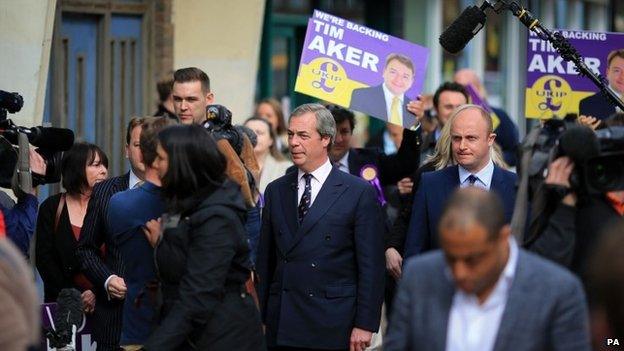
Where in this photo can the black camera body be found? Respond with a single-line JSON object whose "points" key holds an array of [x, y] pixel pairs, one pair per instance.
{"points": [[219, 124], [51, 143], [605, 172]]}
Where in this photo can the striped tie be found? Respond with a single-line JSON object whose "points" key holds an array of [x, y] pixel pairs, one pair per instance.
{"points": [[304, 203]]}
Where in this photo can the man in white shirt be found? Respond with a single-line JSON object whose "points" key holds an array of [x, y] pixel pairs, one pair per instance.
{"points": [[482, 292]]}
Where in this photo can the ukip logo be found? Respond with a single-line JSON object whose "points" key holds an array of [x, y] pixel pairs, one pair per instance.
{"points": [[328, 73], [550, 94]]}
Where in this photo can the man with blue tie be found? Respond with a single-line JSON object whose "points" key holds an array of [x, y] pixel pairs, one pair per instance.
{"points": [[320, 259], [471, 144]]}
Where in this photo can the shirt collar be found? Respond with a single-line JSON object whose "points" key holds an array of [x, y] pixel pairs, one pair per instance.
{"points": [[484, 175], [389, 96], [133, 179], [344, 161], [320, 174]]}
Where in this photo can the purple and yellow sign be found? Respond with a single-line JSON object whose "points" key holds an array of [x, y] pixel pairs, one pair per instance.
{"points": [[554, 88], [360, 68]]}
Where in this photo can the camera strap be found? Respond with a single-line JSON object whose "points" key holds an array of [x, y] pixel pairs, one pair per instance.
{"points": [[59, 209]]}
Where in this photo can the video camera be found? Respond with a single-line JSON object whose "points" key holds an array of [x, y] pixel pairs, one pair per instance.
{"points": [[598, 156], [50, 143], [219, 124]]}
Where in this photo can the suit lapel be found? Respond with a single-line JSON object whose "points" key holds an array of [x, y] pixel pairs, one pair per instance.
{"points": [[288, 197], [517, 301], [329, 193], [440, 318]]}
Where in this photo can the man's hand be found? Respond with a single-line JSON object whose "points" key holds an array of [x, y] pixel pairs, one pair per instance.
{"points": [[417, 107], [405, 186], [559, 174], [88, 301], [360, 339], [394, 262], [589, 121], [117, 287], [37, 163], [152, 230]]}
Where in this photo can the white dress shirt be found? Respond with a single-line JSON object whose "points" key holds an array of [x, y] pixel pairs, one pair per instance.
{"points": [[133, 180], [473, 326], [343, 163], [388, 97], [319, 176], [484, 176]]}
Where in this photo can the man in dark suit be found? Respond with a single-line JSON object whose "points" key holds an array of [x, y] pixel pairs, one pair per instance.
{"points": [[320, 260], [387, 101], [471, 142], [597, 105], [107, 273], [483, 292], [351, 160]]}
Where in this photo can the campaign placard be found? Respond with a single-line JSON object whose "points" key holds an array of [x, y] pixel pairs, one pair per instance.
{"points": [[554, 88], [360, 68]]}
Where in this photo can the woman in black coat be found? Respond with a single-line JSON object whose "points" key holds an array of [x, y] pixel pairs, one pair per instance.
{"points": [[60, 219], [203, 260]]}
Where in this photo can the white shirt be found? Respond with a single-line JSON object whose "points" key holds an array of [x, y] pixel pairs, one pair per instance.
{"points": [[389, 96], [343, 163], [618, 94], [133, 180], [473, 326], [484, 176], [319, 176]]}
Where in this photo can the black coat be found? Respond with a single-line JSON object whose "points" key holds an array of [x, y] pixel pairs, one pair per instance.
{"points": [[203, 264], [56, 251]]}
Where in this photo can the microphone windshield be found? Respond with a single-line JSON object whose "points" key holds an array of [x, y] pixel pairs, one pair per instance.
{"points": [[463, 29]]}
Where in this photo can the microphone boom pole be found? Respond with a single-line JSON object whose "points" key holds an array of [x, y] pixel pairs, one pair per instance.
{"points": [[564, 48]]}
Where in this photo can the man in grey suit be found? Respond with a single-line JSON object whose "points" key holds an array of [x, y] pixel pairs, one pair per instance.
{"points": [[482, 292]]}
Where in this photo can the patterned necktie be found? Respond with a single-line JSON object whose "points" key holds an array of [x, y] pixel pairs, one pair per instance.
{"points": [[304, 204], [472, 179], [395, 115]]}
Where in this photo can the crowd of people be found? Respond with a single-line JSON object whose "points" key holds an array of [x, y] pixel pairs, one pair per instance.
{"points": [[280, 234]]}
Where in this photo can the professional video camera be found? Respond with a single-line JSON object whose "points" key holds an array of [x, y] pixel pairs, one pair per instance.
{"points": [[219, 124], [51, 142]]}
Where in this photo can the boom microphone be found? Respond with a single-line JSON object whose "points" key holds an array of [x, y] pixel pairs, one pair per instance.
{"points": [[463, 29]]}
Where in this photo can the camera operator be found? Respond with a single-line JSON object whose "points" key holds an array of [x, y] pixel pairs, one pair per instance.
{"points": [[575, 226], [20, 217]]}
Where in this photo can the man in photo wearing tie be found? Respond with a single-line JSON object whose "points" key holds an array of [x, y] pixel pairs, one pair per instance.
{"points": [[597, 105], [320, 260], [471, 145], [387, 101]]}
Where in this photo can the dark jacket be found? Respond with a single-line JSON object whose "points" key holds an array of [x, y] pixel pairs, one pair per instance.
{"points": [[56, 251], [203, 264]]}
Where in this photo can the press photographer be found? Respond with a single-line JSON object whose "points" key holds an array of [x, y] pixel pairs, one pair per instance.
{"points": [[22, 168], [582, 193]]}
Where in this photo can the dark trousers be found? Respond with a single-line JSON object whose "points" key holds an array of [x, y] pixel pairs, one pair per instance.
{"points": [[288, 348]]}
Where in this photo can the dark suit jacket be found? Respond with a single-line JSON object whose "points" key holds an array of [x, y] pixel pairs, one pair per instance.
{"points": [[545, 310], [56, 258], [507, 136], [320, 279], [392, 168], [433, 191], [596, 106], [372, 101], [107, 315]]}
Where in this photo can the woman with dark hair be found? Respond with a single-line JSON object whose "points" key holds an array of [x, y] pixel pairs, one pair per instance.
{"points": [[271, 110], [203, 260], [271, 162], [60, 219]]}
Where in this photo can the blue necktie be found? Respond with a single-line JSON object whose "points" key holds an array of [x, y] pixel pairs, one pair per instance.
{"points": [[472, 179], [304, 204]]}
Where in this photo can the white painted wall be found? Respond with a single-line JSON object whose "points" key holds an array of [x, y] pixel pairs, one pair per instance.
{"points": [[25, 41], [223, 39]]}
